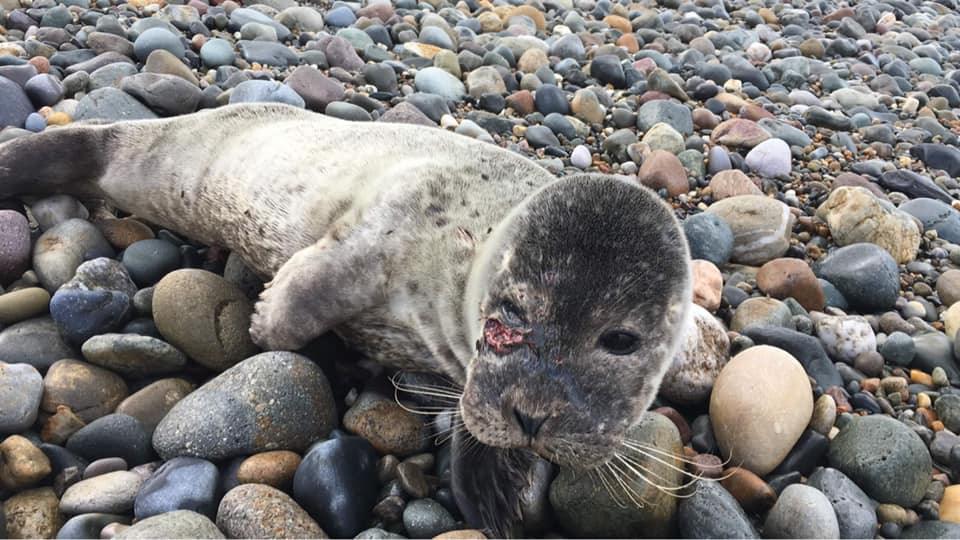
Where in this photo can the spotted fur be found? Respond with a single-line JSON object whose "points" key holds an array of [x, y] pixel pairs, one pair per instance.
{"points": [[405, 241]]}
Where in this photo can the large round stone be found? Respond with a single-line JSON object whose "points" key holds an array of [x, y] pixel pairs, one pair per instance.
{"points": [[855, 215], [259, 511], [337, 484], [703, 352], [865, 274], [204, 316], [390, 428], [760, 405], [884, 457], [20, 390], [89, 391], [712, 512], [271, 401], [178, 524], [60, 250], [584, 508], [14, 245], [183, 483], [856, 512], [36, 342], [111, 493], [34, 513], [133, 355], [761, 227], [801, 512]]}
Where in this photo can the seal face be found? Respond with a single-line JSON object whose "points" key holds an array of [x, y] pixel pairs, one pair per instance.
{"points": [[580, 300]]}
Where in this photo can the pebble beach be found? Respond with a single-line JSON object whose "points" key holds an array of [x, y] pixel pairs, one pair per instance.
{"points": [[809, 149]]}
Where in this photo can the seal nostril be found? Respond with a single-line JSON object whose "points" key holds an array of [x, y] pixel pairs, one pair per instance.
{"points": [[528, 424]]}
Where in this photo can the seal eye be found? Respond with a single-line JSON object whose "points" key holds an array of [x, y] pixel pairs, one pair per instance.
{"points": [[619, 342], [511, 313]]}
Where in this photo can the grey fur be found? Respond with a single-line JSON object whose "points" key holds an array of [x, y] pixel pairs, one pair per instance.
{"points": [[406, 240]]}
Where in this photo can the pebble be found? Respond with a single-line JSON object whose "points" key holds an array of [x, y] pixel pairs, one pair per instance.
{"points": [[583, 507], [89, 391], [34, 513], [731, 183], [23, 304], [770, 159], [260, 511], [426, 518], [113, 435], [205, 316], [133, 355], [257, 91], [855, 215], [771, 384], [662, 170], [158, 38], [761, 227], [275, 468], [89, 525], [217, 52], [709, 237], [62, 248], [436, 81], [884, 457], [801, 512], [178, 524], [753, 494], [21, 388], [337, 484], [846, 338], [152, 402], [712, 512], [707, 284], [390, 428], [254, 406], [865, 274], [703, 352], [791, 278], [22, 464], [14, 245], [110, 493], [182, 483], [855, 511]]}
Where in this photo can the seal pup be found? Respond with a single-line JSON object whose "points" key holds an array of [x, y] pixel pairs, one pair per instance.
{"points": [[557, 304]]}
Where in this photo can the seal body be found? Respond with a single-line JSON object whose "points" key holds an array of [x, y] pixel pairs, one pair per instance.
{"points": [[393, 212], [555, 304]]}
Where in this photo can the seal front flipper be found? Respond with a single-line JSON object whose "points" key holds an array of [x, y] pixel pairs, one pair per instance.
{"points": [[319, 287]]}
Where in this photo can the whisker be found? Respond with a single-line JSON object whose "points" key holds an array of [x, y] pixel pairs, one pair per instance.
{"points": [[425, 392], [649, 448], [649, 455], [608, 487], [631, 461], [669, 491], [630, 491], [425, 388], [680, 457]]}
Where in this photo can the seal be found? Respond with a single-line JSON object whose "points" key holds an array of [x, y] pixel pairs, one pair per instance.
{"points": [[556, 304]]}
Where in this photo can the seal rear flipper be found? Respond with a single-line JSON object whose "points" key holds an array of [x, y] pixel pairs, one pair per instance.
{"points": [[61, 160], [319, 287], [488, 482]]}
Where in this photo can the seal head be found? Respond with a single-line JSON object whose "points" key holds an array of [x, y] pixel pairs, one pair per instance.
{"points": [[578, 300]]}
